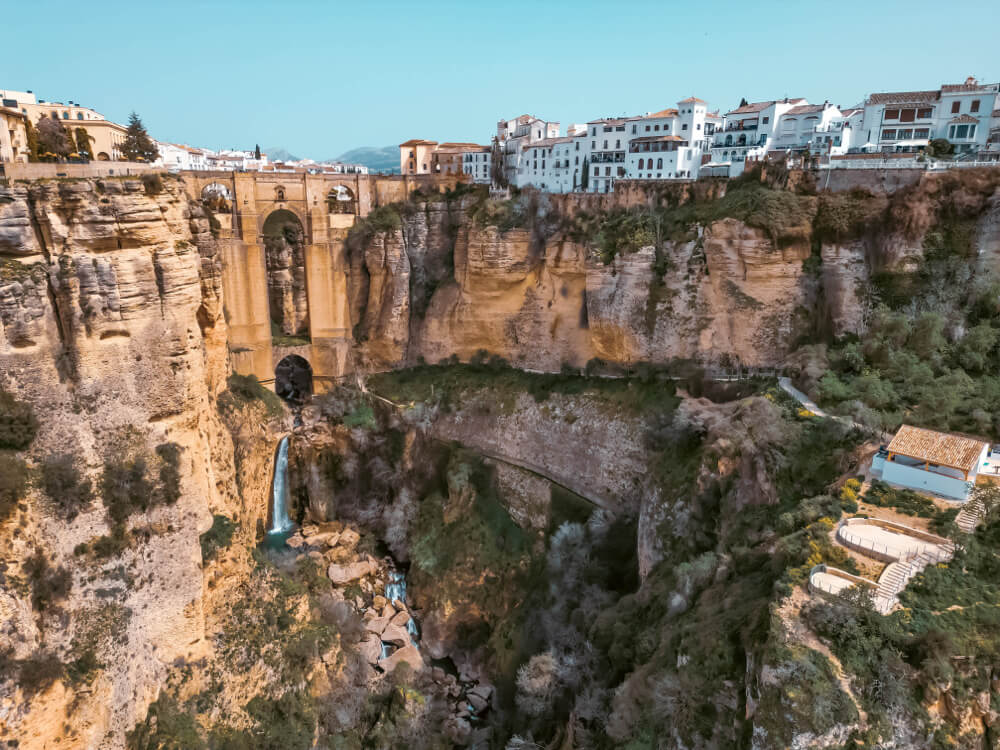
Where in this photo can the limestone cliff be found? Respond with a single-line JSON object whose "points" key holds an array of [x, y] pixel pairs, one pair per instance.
{"points": [[111, 326], [745, 281]]}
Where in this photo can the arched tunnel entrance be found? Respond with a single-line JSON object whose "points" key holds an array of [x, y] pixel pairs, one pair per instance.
{"points": [[293, 379], [285, 256]]}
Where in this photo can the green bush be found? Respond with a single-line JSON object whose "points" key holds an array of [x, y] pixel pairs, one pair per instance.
{"points": [[125, 487], [18, 424], [170, 476], [167, 727], [13, 484], [66, 485], [153, 183], [48, 585], [903, 500], [220, 536], [246, 389], [362, 416], [38, 672]]}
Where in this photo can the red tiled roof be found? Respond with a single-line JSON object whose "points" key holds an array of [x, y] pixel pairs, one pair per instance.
{"points": [[962, 119], [747, 109], [418, 142], [656, 138], [970, 86], [692, 100], [942, 448], [661, 113], [904, 97], [805, 109], [995, 113]]}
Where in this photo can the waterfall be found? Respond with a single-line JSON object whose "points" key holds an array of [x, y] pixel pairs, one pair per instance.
{"points": [[396, 589], [280, 522]]}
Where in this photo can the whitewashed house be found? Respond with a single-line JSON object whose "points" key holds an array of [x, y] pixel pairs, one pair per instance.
{"points": [[747, 134], [177, 157], [515, 135], [838, 135], [479, 165], [938, 462], [607, 141]]}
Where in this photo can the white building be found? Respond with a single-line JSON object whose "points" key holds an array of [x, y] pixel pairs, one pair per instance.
{"points": [[607, 144], [479, 165], [554, 164], [747, 134], [942, 463], [177, 157], [906, 121], [838, 135], [515, 135]]}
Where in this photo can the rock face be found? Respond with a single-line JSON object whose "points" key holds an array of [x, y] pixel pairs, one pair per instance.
{"points": [[286, 279], [111, 327]]}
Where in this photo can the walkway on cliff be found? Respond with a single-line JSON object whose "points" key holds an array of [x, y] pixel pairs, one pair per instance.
{"points": [[808, 403]]}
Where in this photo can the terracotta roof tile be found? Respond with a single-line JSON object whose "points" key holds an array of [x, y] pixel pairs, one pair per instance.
{"points": [[662, 113], [942, 448], [962, 119], [657, 139], [418, 142], [692, 100], [750, 108], [805, 109], [904, 97]]}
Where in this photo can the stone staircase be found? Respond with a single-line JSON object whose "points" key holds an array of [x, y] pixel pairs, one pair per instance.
{"points": [[896, 575], [970, 515]]}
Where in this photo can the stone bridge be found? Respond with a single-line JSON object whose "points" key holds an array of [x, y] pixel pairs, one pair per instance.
{"points": [[314, 212]]}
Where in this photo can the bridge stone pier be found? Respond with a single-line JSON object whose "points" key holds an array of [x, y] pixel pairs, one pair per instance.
{"points": [[317, 212]]}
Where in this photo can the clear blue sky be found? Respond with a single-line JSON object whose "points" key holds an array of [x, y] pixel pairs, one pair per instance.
{"points": [[322, 76]]}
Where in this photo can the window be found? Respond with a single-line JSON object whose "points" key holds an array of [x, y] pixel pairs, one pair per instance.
{"points": [[974, 107], [605, 144], [577, 145], [917, 133], [892, 114], [607, 128], [607, 171], [697, 126], [766, 120], [907, 115], [593, 145], [925, 113], [618, 144], [597, 171], [647, 128], [659, 163], [956, 107], [79, 115], [684, 126], [888, 135], [642, 163], [620, 129], [656, 127], [633, 129], [904, 135]]}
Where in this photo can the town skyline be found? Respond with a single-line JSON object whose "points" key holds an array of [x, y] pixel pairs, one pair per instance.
{"points": [[250, 80]]}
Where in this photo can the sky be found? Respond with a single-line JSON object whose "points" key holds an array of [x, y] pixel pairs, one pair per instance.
{"points": [[319, 77]]}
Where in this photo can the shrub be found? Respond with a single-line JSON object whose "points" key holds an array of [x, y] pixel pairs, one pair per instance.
{"points": [[38, 672], [246, 389], [13, 484], [170, 477], [63, 482], [125, 487], [167, 727], [362, 416], [48, 585], [153, 183], [17, 422], [218, 537]]}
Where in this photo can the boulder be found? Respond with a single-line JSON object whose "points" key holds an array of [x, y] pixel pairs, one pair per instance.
{"points": [[349, 538], [295, 541], [377, 625], [477, 702], [340, 574], [379, 602], [408, 654], [400, 619], [371, 649], [482, 691], [318, 539], [395, 635]]}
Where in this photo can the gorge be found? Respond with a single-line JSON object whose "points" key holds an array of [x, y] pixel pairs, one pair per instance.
{"points": [[531, 480]]}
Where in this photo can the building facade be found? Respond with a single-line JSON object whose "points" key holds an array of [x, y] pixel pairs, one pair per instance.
{"points": [[13, 135]]}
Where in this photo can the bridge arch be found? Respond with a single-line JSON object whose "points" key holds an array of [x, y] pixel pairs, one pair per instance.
{"points": [[293, 379], [341, 200], [217, 197]]}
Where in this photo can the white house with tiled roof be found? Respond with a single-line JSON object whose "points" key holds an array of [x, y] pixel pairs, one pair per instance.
{"points": [[943, 463], [607, 143], [796, 127], [747, 133], [905, 121], [515, 135], [838, 135]]}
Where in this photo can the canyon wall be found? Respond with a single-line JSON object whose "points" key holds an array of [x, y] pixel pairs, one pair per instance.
{"points": [[111, 326]]}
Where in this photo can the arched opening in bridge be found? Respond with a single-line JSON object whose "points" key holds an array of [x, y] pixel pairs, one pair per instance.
{"points": [[217, 198], [102, 156], [293, 379], [341, 200], [285, 256]]}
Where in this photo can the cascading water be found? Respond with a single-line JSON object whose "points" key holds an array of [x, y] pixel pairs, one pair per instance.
{"points": [[280, 522], [396, 589]]}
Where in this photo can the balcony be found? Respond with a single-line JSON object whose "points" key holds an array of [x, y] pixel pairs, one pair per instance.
{"points": [[607, 157], [741, 126]]}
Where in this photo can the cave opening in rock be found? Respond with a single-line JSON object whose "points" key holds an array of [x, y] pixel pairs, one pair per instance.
{"points": [[293, 379], [285, 258]]}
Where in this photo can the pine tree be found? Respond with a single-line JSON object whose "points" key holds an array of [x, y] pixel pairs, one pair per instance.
{"points": [[744, 102], [498, 176], [137, 144], [585, 175], [256, 152]]}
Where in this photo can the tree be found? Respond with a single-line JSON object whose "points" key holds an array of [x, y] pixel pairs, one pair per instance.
{"points": [[137, 144], [53, 138], [744, 102], [256, 152], [83, 143], [939, 147], [31, 136], [585, 175], [498, 177]]}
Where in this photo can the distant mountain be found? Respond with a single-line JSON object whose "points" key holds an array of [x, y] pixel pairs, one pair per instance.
{"points": [[279, 153], [384, 159]]}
